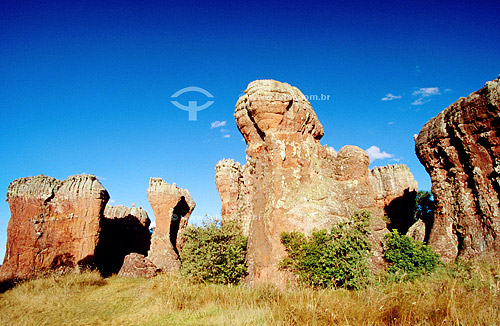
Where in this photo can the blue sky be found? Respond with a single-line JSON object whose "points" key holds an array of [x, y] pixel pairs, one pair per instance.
{"points": [[85, 87]]}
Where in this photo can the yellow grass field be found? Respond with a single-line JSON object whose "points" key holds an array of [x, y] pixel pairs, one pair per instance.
{"points": [[459, 295]]}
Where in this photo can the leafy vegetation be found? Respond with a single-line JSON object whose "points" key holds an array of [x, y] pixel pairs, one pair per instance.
{"points": [[335, 259], [424, 206], [214, 252], [408, 258]]}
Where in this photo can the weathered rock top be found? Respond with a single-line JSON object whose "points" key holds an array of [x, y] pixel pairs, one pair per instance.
{"points": [[159, 186], [271, 107], [436, 127], [120, 211], [391, 180], [38, 187]]}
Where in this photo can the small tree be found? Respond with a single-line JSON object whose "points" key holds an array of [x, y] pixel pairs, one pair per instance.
{"points": [[408, 258], [214, 252], [424, 206], [335, 259]]}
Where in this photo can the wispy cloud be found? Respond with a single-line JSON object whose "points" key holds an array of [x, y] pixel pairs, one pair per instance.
{"points": [[111, 201], [217, 124], [375, 153], [424, 95], [427, 91], [226, 136], [390, 97]]}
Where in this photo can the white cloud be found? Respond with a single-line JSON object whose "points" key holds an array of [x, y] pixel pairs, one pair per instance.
{"points": [[111, 201], [152, 225], [424, 95], [217, 124], [390, 97], [375, 154], [224, 130], [390, 122], [427, 91], [226, 136], [420, 101]]}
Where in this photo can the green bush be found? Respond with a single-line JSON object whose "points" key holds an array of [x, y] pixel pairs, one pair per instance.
{"points": [[335, 259], [214, 252], [408, 258]]}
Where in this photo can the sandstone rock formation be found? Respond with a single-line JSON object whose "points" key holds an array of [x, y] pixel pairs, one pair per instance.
{"points": [[172, 207], [124, 230], [395, 191], [460, 149], [136, 265], [54, 224], [292, 183]]}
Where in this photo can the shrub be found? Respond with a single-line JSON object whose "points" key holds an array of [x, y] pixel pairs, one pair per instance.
{"points": [[335, 259], [214, 252], [408, 258]]}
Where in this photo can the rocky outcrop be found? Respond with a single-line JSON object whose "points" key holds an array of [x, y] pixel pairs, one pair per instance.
{"points": [[460, 149], [124, 230], [172, 207], [233, 183], [54, 224], [136, 265], [395, 191], [292, 183]]}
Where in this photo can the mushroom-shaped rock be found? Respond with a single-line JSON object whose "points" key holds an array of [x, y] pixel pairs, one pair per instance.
{"points": [[172, 207]]}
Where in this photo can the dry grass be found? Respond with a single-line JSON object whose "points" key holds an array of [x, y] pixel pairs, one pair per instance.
{"points": [[459, 295]]}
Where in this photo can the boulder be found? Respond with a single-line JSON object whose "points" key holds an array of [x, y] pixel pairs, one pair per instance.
{"points": [[291, 182], [54, 224], [172, 207], [460, 149], [417, 231], [136, 265]]}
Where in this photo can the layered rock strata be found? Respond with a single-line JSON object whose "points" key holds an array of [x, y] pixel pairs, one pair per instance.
{"points": [[54, 224], [460, 149]]}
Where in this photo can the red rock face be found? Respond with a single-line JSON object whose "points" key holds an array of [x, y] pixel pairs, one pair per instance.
{"points": [[172, 207], [460, 149], [53, 224], [290, 182]]}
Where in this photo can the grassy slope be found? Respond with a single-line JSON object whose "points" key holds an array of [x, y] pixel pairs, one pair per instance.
{"points": [[460, 295]]}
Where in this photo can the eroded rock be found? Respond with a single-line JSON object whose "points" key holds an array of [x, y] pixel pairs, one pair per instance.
{"points": [[460, 149], [172, 207], [290, 182], [54, 224], [136, 265], [395, 191]]}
